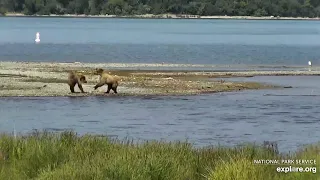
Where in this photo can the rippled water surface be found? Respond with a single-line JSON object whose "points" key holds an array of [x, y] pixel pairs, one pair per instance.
{"points": [[289, 116], [160, 40]]}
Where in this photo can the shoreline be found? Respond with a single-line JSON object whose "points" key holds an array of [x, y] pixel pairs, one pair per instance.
{"points": [[160, 68], [50, 80], [45, 79], [161, 16], [140, 65]]}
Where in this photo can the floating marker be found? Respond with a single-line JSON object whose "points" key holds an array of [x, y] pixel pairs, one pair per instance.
{"points": [[309, 63], [37, 40]]}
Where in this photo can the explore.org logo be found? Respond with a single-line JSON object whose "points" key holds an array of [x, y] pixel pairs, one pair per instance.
{"points": [[290, 165]]}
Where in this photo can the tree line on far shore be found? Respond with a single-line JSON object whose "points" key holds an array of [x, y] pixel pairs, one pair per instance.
{"points": [[282, 8]]}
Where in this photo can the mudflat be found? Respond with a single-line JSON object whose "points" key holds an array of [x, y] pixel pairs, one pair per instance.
{"points": [[50, 79]]}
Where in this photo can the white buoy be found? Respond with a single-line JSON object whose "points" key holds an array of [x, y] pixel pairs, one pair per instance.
{"points": [[37, 40], [309, 63]]}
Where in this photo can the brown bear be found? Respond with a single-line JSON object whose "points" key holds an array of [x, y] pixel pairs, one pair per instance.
{"points": [[74, 79], [105, 78]]}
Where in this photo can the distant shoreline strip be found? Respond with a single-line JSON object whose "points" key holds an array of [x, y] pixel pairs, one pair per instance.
{"points": [[165, 16]]}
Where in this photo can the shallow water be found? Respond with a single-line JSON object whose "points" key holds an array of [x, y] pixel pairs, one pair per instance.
{"points": [[160, 40], [292, 119]]}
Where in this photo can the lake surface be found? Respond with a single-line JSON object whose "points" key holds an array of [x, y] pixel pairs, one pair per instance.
{"points": [[289, 116], [231, 42]]}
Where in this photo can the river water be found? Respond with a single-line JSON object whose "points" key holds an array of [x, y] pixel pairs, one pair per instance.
{"points": [[288, 116], [249, 42]]}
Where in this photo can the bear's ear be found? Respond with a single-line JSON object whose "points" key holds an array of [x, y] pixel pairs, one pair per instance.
{"points": [[83, 79], [99, 70]]}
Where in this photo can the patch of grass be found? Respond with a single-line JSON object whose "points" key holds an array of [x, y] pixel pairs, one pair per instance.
{"points": [[13, 75], [65, 155], [45, 80], [12, 87], [243, 168], [178, 85]]}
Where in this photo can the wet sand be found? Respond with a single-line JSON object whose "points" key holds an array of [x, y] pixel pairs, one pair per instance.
{"points": [[49, 79]]}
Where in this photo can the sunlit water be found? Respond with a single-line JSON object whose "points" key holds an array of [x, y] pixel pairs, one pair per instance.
{"points": [[289, 116]]}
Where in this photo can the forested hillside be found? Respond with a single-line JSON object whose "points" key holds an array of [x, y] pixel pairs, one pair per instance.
{"points": [[283, 8]]}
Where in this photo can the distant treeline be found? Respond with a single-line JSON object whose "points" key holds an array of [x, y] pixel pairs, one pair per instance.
{"points": [[283, 8]]}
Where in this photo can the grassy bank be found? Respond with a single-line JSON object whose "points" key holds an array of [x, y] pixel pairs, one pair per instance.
{"points": [[68, 156]]}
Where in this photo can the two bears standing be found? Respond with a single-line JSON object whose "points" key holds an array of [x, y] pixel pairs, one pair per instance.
{"points": [[105, 78]]}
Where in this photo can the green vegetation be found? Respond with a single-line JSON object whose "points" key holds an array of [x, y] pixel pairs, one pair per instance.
{"points": [[43, 155], [16, 87], [283, 8], [46, 80], [13, 75]]}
